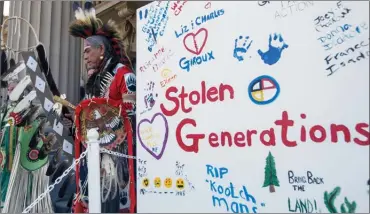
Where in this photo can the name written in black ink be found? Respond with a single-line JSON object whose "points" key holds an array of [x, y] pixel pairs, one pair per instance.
{"points": [[350, 55], [299, 182]]}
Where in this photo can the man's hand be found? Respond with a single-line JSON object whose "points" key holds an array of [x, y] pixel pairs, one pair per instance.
{"points": [[129, 98], [67, 120], [70, 116]]}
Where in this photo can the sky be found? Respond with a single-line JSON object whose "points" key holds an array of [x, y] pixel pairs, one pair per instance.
{"points": [[6, 8]]}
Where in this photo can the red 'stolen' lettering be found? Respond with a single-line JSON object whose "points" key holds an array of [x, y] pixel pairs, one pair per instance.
{"points": [[174, 110], [212, 94], [224, 88], [182, 97], [194, 97]]}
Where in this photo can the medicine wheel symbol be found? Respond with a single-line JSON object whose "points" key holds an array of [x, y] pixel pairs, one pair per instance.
{"points": [[263, 90]]}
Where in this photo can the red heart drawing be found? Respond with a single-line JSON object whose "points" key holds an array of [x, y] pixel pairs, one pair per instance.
{"points": [[197, 39], [208, 5]]}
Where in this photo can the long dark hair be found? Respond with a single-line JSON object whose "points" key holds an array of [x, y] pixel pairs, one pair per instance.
{"points": [[106, 69]]}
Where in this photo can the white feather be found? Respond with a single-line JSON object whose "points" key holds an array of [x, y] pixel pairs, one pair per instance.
{"points": [[80, 14], [57, 108], [90, 13]]}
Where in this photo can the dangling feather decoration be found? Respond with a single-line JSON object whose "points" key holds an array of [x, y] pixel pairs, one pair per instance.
{"points": [[79, 13], [88, 5], [86, 23], [75, 6], [90, 10]]}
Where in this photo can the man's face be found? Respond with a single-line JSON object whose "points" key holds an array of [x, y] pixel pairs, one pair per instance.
{"points": [[92, 56]]}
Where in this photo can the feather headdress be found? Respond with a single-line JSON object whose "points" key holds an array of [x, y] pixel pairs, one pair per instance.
{"points": [[87, 24]]}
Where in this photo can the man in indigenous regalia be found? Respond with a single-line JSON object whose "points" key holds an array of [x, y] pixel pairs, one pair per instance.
{"points": [[8, 144], [24, 149], [111, 78], [7, 133]]}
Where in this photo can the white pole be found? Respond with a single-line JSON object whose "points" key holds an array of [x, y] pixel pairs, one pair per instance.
{"points": [[93, 164]]}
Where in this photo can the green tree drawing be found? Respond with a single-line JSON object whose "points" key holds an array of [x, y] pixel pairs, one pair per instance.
{"points": [[271, 179]]}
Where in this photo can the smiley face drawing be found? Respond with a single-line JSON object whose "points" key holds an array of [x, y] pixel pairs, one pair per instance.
{"points": [[168, 182], [157, 182], [180, 184], [145, 182]]}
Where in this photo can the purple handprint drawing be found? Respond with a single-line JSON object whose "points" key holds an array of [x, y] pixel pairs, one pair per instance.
{"points": [[149, 98]]}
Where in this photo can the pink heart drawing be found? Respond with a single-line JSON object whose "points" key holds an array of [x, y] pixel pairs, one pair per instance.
{"points": [[193, 41], [157, 150]]}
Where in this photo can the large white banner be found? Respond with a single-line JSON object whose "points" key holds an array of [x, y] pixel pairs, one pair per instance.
{"points": [[253, 106]]}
